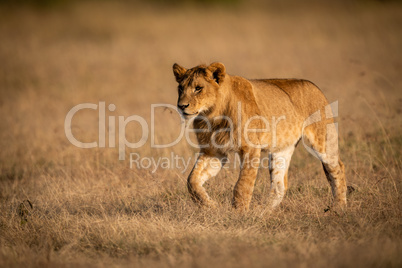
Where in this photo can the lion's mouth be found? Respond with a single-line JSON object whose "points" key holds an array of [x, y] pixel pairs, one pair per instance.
{"points": [[187, 115]]}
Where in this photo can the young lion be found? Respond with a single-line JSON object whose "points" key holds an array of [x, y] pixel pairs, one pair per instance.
{"points": [[234, 114]]}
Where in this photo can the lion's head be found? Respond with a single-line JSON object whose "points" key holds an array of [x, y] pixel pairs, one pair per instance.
{"points": [[198, 87]]}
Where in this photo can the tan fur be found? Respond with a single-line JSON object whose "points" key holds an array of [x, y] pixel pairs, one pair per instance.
{"points": [[283, 111]]}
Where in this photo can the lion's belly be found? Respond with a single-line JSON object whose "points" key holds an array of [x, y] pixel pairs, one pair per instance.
{"points": [[281, 135], [273, 137]]}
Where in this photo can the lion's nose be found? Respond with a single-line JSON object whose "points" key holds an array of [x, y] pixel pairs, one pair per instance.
{"points": [[183, 106]]}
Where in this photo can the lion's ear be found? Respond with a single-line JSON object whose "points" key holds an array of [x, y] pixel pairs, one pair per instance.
{"points": [[218, 71], [178, 72]]}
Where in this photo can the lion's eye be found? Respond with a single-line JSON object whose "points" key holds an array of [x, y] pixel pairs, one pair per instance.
{"points": [[198, 88]]}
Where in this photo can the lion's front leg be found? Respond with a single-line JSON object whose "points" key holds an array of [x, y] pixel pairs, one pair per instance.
{"points": [[243, 191], [205, 168]]}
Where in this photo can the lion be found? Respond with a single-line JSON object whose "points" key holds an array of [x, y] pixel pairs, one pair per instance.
{"points": [[248, 117]]}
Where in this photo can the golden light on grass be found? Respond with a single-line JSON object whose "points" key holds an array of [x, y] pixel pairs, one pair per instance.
{"points": [[90, 209]]}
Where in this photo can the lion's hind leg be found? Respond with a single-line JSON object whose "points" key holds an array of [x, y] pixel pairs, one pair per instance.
{"points": [[321, 140], [336, 177]]}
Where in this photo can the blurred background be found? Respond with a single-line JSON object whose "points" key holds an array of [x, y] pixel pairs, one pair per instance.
{"points": [[55, 54]]}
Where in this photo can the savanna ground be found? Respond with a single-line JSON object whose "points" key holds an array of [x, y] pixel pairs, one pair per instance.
{"points": [[90, 209]]}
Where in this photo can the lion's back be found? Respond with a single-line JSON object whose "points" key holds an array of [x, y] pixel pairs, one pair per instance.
{"points": [[302, 96]]}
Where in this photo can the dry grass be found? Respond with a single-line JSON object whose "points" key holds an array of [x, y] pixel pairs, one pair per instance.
{"points": [[89, 209]]}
